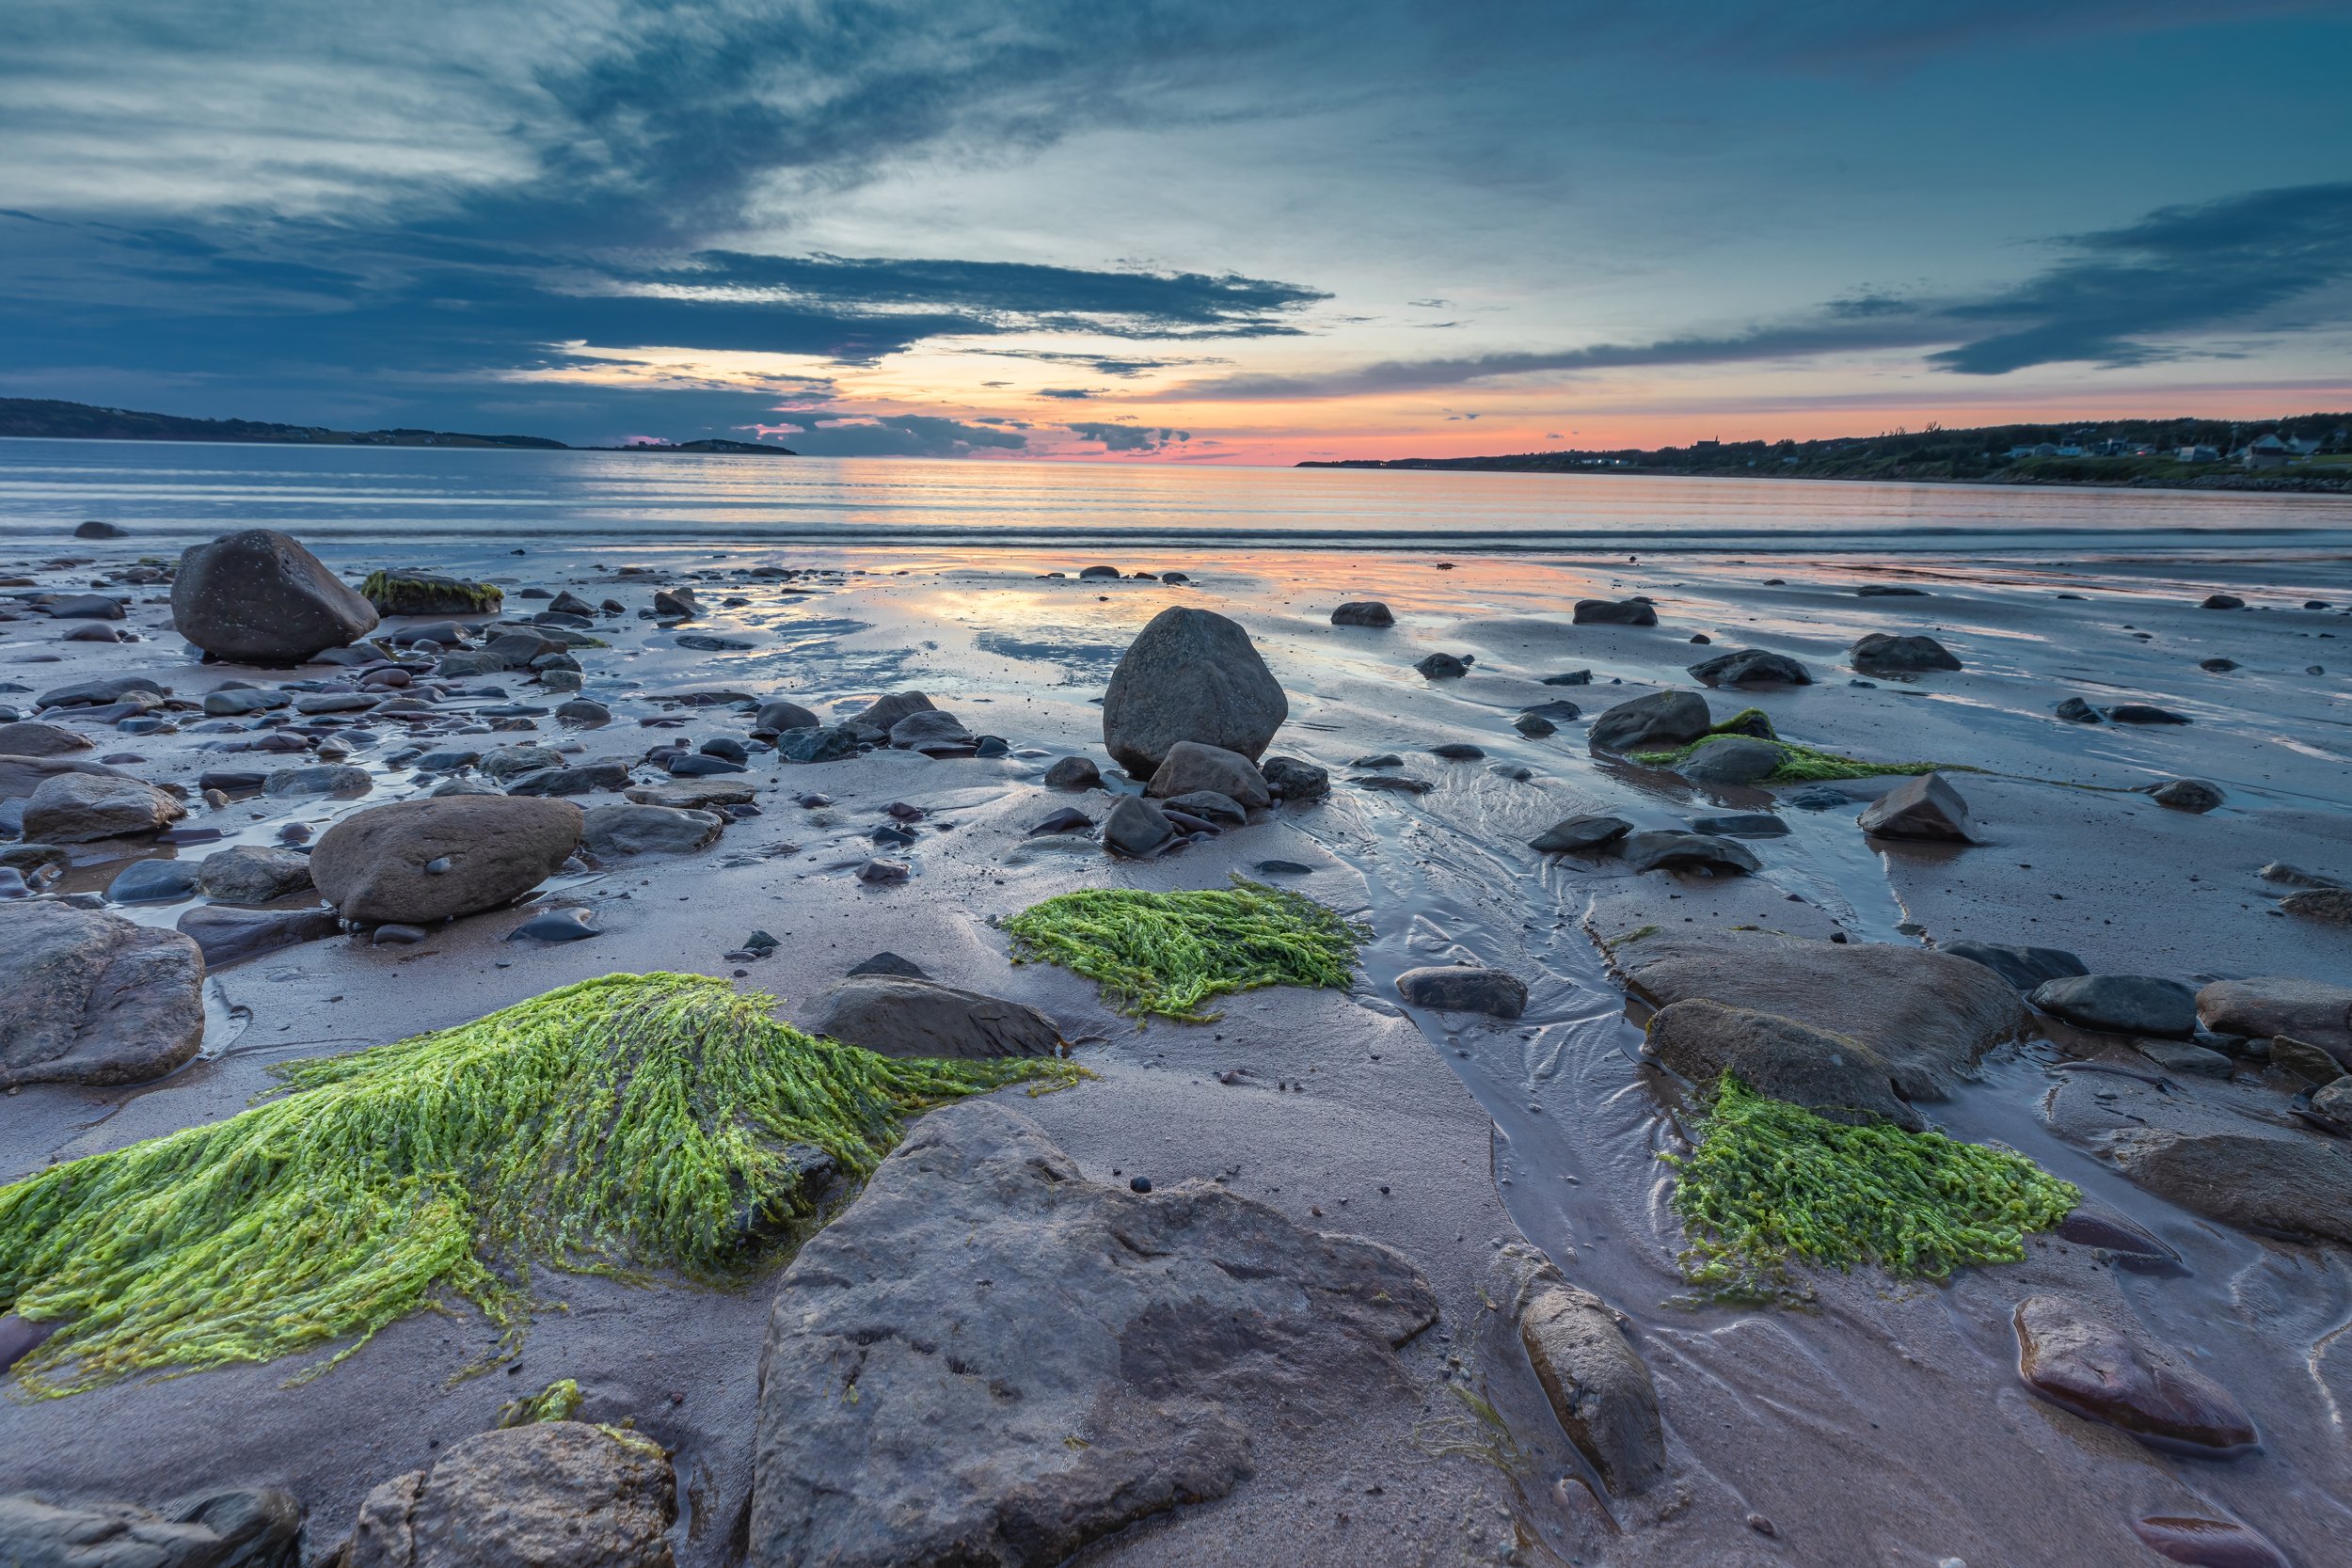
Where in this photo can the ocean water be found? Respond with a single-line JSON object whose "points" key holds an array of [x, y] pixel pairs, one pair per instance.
{"points": [[179, 493]]}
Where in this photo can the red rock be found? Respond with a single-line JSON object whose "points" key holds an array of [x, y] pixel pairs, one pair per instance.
{"points": [[2082, 1364]]}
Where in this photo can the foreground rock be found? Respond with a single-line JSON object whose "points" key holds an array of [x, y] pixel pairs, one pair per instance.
{"points": [[1595, 1383], [78, 808], [2121, 1003], [32, 739], [1924, 807], [1835, 1076], [1732, 759], [2084, 1363], [226, 935], [1665, 850], [417, 862], [550, 1495], [1579, 834], [1039, 1360], [224, 1529], [1191, 765], [258, 597], [1190, 674], [1926, 1015], [87, 997], [2269, 1005], [1136, 828], [1655, 723], [899, 1015], [2299, 1185], [1464, 989], [638, 830]]}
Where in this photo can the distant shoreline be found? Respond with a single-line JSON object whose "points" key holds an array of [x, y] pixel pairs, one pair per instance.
{"points": [[2257, 480], [53, 419]]}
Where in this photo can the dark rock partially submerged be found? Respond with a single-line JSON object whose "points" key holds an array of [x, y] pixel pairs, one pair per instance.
{"points": [[226, 935], [1464, 989], [900, 1015], [2311, 1010], [1039, 1359], [1881, 654], [1751, 667], [2082, 1363], [1614, 613], [1577, 834], [87, 997], [1665, 850], [1660, 720]]}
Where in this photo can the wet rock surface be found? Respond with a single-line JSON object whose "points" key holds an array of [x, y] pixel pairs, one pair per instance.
{"points": [[87, 997], [1190, 674], [259, 597], [2311, 1010], [1665, 850], [2022, 967], [1039, 1359], [1655, 723], [416, 861], [1751, 667], [1464, 989], [1362, 613], [2079, 1361], [640, 830], [1881, 653], [2121, 1003], [224, 1529], [79, 808], [550, 1495], [1579, 834], [1832, 1075], [1614, 613], [1731, 760], [900, 1015], [1596, 1382], [1191, 765], [252, 874], [225, 935], [1924, 807], [2294, 1184]]}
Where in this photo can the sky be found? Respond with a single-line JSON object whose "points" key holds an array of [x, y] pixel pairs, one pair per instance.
{"points": [[1177, 230]]}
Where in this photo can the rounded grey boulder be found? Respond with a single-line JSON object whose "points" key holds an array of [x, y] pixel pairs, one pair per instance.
{"points": [[899, 1015], [1464, 989], [1749, 667], [1660, 720], [259, 597], [76, 808], [1190, 766], [416, 861], [1190, 674], [251, 874], [1881, 654], [88, 997], [1362, 613], [2121, 1003], [636, 830], [1731, 760]]}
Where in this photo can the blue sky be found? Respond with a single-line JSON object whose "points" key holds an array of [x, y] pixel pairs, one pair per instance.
{"points": [[1197, 232]]}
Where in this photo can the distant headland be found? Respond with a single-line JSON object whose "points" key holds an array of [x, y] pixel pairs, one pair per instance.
{"points": [[2306, 452], [49, 419]]}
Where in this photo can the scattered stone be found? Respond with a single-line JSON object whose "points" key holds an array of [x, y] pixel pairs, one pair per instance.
{"points": [[2331, 904], [77, 808], [1148, 1334], [819, 745], [933, 733], [414, 592], [1614, 613], [1732, 760], [1445, 667], [2121, 1004], [880, 717], [2182, 1057], [2207, 1543], [258, 597], [513, 762], [225, 934], [343, 780], [887, 962], [1136, 828], [153, 882], [1596, 1384], [1091, 574], [901, 1015], [2222, 601], [2081, 1363], [1362, 613], [1190, 674], [94, 528], [1879, 654], [1393, 785], [693, 794], [1889, 591], [543, 1494], [2076, 711], [1190, 766], [1751, 667], [100, 693], [377, 865], [1534, 726], [1665, 850], [2266, 1005], [83, 606], [675, 601], [1290, 779], [640, 830], [1207, 805], [1832, 1075], [1578, 834], [2333, 1100], [1574, 677], [2189, 794], [879, 870], [586, 779], [1657, 722], [1745, 824], [569, 924], [1464, 989], [1924, 807], [2144, 713], [1379, 759], [2304, 1060], [1067, 820], [1073, 773], [88, 997], [1283, 868], [2217, 666], [2294, 1186], [2022, 967], [32, 739], [219, 1529]]}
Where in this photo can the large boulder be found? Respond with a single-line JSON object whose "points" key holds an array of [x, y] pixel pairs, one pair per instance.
{"points": [[898, 1015], [258, 597], [87, 997], [1660, 720], [414, 861], [76, 808], [2311, 1010], [1835, 1076], [1190, 674], [221, 1530], [1191, 765], [2082, 1363], [1039, 1359], [548, 1495], [1926, 1015], [640, 830]]}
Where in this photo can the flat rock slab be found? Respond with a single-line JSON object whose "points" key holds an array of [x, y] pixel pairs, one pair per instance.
{"points": [[2311, 1010], [552, 1495], [2082, 1363], [87, 997], [991, 1360], [226, 1530], [899, 1015], [1928, 1016], [2284, 1183], [225, 935]]}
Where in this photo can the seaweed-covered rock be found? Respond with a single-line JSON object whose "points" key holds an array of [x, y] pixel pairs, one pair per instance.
{"points": [[76, 808], [1190, 766], [1732, 759], [1924, 807], [1882, 654], [87, 997], [546, 1495], [420, 592], [1660, 720], [1190, 674], [1751, 667], [1927, 1015], [2077, 1361], [1832, 1075], [900, 1015], [417, 862], [219, 1529], [1148, 1334], [1614, 613], [258, 597]]}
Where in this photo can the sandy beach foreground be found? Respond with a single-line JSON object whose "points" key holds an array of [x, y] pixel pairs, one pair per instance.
{"points": [[1853, 1418]]}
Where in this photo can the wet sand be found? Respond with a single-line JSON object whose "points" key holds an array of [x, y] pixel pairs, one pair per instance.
{"points": [[1887, 1425]]}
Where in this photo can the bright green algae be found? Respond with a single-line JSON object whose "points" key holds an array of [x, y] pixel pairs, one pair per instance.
{"points": [[623, 1125], [1167, 953], [1799, 763], [1770, 1182]]}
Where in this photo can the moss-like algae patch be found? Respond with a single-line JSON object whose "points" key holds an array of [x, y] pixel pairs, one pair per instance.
{"points": [[1770, 1182], [1799, 763], [619, 1126], [424, 594], [559, 1401], [1167, 953]]}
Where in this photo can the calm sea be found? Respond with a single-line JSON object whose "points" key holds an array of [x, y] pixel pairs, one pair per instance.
{"points": [[177, 493]]}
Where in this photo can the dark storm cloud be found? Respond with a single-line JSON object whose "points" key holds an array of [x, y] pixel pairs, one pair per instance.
{"points": [[893, 435], [2151, 290], [1127, 437]]}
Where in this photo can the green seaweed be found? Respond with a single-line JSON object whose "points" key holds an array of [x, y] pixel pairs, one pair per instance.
{"points": [[1167, 953], [619, 1126], [1800, 763], [1771, 1182], [559, 1401]]}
